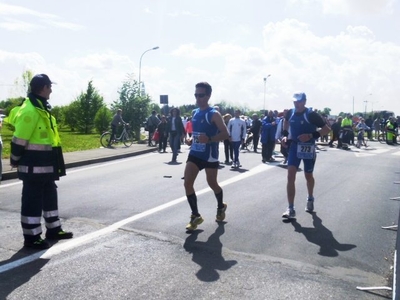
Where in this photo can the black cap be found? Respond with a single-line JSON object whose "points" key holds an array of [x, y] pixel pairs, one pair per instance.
{"points": [[40, 80]]}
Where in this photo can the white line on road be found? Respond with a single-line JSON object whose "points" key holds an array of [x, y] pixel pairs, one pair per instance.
{"points": [[99, 165], [75, 242]]}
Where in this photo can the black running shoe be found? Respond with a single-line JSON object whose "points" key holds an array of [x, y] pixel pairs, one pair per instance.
{"points": [[61, 235], [38, 244]]}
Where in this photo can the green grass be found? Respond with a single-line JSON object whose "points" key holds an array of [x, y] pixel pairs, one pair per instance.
{"points": [[70, 141]]}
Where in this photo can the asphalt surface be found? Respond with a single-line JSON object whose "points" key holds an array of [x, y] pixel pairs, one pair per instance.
{"points": [[87, 157], [214, 262]]}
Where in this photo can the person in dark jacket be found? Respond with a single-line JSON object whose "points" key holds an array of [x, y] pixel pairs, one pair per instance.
{"points": [[37, 155], [336, 131], [117, 120], [255, 130], [268, 131], [163, 132], [152, 123], [176, 132]]}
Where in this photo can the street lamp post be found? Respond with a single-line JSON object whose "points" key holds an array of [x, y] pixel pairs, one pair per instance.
{"points": [[265, 88], [140, 65], [372, 106], [366, 101]]}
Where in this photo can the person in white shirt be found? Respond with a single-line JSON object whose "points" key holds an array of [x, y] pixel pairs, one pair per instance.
{"points": [[237, 134]]}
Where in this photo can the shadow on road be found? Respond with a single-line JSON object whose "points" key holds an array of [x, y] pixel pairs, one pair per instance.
{"points": [[322, 236], [21, 274], [208, 255]]}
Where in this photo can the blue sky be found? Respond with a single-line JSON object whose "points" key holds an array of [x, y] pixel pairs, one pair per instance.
{"points": [[333, 50]]}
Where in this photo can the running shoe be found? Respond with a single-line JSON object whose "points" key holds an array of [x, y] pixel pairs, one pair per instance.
{"points": [[194, 221], [289, 214], [37, 244], [221, 213], [60, 235], [310, 206]]}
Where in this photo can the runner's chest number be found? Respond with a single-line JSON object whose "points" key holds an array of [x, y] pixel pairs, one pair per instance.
{"points": [[305, 150]]}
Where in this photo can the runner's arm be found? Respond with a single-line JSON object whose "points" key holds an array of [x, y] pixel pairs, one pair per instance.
{"points": [[222, 130]]}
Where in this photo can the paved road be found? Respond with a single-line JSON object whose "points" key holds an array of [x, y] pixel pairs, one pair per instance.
{"points": [[128, 218], [86, 157]]}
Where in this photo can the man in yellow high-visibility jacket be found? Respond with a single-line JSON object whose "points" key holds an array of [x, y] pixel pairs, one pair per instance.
{"points": [[390, 131], [37, 155]]}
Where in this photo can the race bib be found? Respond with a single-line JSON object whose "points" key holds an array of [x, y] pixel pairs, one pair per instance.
{"points": [[306, 150], [196, 145]]}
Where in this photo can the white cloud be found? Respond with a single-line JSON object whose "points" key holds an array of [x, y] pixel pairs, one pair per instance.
{"points": [[99, 61], [347, 7], [182, 13], [36, 17], [340, 60], [18, 25], [65, 25], [357, 6], [13, 10]]}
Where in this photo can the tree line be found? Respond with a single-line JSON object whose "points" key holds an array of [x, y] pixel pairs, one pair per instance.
{"points": [[89, 113]]}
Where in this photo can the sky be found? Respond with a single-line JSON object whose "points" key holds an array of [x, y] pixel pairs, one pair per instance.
{"points": [[344, 54]]}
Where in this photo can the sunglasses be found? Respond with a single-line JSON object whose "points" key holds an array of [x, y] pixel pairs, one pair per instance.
{"points": [[199, 95]]}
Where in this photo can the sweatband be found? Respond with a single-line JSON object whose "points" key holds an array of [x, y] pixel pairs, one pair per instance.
{"points": [[316, 135]]}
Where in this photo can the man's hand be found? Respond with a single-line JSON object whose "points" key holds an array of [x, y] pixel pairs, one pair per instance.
{"points": [[305, 137], [284, 142], [203, 139]]}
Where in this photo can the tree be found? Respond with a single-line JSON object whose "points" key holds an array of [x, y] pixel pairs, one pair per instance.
{"points": [[22, 84], [57, 112], [135, 107], [71, 114], [89, 103], [102, 119], [326, 111]]}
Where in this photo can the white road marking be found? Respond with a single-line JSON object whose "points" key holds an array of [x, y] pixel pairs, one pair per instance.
{"points": [[81, 169], [75, 242]]}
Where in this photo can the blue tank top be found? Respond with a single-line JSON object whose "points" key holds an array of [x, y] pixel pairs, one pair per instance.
{"points": [[201, 121], [299, 124]]}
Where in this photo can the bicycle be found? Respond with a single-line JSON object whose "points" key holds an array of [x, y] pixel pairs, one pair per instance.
{"points": [[248, 143], [382, 137], [126, 138]]}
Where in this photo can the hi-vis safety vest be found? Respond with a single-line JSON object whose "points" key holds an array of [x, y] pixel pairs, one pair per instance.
{"points": [[36, 145]]}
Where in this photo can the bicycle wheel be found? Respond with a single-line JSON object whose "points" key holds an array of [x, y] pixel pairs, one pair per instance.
{"points": [[382, 138], [105, 139], [128, 139]]}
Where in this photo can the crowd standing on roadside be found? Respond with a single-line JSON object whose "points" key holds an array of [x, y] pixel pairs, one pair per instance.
{"points": [[36, 153]]}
